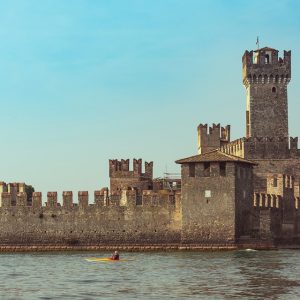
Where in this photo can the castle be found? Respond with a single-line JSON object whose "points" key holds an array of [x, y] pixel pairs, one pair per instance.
{"points": [[231, 194]]}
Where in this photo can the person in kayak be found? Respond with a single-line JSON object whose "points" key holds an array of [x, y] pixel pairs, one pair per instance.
{"points": [[115, 256]]}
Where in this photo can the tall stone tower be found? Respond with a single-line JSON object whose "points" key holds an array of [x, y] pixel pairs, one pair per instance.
{"points": [[265, 77]]}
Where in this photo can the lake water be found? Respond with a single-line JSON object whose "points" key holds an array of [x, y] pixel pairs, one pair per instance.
{"points": [[152, 275]]}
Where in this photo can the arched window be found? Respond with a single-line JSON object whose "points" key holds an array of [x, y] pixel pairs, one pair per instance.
{"points": [[267, 59], [276, 78], [271, 78], [273, 89], [259, 79], [265, 78], [254, 78]]}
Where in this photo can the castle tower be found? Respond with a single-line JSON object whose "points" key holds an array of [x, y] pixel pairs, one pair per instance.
{"points": [[212, 138], [265, 77], [122, 178]]}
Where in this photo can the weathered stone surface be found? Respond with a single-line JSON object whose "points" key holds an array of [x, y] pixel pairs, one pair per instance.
{"points": [[247, 195]]}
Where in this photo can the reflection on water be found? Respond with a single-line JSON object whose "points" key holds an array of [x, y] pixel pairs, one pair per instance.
{"points": [[164, 275]]}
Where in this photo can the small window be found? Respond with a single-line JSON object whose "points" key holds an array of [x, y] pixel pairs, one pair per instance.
{"points": [[267, 59], [206, 172], [275, 182], [273, 89], [222, 168], [191, 170]]}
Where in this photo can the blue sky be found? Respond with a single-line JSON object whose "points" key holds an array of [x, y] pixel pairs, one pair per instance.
{"points": [[85, 81]]}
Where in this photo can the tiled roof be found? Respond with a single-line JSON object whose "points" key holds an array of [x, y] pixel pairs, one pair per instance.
{"points": [[266, 49], [215, 155]]}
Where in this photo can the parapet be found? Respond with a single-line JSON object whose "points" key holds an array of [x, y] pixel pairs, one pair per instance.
{"points": [[120, 168], [258, 148], [83, 199], [294, 151], [67, 199], [159, 198], [129, 198], [264, 66], [51, 199], [5, 199], [213, 137], [21, 199], [36, 199], [101, 197], [279, 183], [263, 200]]}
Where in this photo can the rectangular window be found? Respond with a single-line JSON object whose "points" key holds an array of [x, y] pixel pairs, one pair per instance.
{"points": [[275, 182], [222, 168], [206, 171], [247, 123], [191, 170], [207, 193]]}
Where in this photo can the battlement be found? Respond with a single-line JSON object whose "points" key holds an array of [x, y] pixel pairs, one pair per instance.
{"points": [[211, 138], [280, 184], [120, 168], [260, 148], [263, 66], [102, 198], [263, 200], [266, 56], [123, 178]]}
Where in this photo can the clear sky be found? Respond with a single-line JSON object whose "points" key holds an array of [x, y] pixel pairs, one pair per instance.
{"points": [[85, 81]]}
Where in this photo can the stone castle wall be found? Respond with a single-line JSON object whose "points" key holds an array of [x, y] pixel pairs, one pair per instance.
{"points": [[114, 219]]}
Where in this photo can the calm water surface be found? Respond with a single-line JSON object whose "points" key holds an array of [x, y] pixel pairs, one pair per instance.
{"points": [[165, 275]]}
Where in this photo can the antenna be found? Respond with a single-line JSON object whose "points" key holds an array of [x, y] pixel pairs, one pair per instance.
{"points": [[257, 42]]}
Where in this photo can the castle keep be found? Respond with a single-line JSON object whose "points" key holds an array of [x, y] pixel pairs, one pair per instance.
{"points": [[241, 193]]}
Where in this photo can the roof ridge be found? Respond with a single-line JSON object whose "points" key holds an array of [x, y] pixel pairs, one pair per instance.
{"points": [[213, 155]]}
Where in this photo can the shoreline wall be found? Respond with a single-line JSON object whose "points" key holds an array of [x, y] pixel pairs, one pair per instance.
{"points": [[114, 219]]}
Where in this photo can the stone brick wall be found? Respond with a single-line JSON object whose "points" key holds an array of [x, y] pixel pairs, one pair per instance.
{"points": [[211, 138], [152, 222], [208, 205], [243, 197], [123, 178]]}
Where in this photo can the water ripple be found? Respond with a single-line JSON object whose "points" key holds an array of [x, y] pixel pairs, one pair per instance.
{"points": [[171, 275]]}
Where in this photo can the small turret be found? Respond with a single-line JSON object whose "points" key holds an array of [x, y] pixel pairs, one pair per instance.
{"points": [[215, 138], [123, 178]]}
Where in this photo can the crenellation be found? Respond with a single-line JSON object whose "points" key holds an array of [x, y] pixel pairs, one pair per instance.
{"points": [[126, 179], [214, 138], [83, 199], [37, 200], [21, 199], [287, 57], [6, 199], [137, 166], [149, 169], [263, 200], [125, 165], [233, 190], [114, 199], [51, 199], [101, 197], [67, 199], [113, 166], [294, 151]]}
